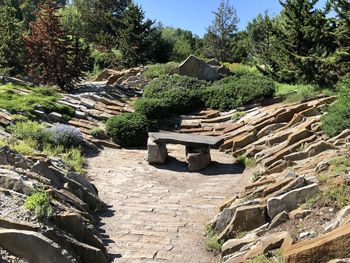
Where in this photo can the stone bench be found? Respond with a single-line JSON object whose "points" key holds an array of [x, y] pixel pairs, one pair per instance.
{"points": [[197, 148]]}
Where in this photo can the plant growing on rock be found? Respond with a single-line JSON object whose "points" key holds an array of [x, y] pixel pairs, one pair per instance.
{"points": [[28, 130], [39, 203], [128, 129], [213, 242], [97, 133]]}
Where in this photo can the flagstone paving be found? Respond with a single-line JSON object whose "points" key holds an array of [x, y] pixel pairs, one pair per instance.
{"points": [[158, 214]]}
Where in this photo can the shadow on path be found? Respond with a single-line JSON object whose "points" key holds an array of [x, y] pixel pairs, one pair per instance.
{"points": [[215, 168]]}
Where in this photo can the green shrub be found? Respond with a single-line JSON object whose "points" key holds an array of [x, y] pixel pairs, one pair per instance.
{"points": [[128, 129], [97, 133], [157, 70], [240, 69], [157, 86], [182, 101], [19, 118], [232, 92], [39, 203], [25, 147], [28, 130], [338, 117], [213, 242], [152, 108], [248, 162], [238, 115], [75, 159]]}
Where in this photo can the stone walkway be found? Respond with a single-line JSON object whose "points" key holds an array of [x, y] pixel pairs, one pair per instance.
{"points": [[157, 214]]}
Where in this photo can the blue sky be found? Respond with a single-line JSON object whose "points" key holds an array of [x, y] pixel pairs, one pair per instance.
{"points": [[196, 15]]}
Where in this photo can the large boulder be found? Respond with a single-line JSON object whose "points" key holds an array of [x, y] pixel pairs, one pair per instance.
{"points": [[13, 158], [324, 248], [33, 247], [197, 68], [221, 221], [246, 218], [13, 181], [291, 200]]}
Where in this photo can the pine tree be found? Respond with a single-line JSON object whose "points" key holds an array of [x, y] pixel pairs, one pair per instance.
{"points": [[101, 20], [52, 56], [342, 32], [136, 37], [223, 29], [11, 46]]}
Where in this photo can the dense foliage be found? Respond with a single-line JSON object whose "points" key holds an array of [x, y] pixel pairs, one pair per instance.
{"points": [[232, 92], [53, 57], [181, 95], [338, 117], [128, 129], [305, 44]]}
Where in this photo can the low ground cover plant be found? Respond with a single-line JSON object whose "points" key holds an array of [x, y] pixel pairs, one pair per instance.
{"points": [[14, 100], [39, 203], [30, 137]]}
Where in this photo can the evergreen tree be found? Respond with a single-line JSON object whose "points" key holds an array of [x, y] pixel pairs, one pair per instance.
{"points": [[342, 33], [101, 20], [137, 38], [53, 57], [220, 33], [11, 46], [240, 48]]}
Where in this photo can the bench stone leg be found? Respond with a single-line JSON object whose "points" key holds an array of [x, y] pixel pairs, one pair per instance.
{"points": [[156, 153], [197, 158]]}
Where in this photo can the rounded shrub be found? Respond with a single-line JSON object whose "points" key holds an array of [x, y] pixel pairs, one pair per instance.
{"points": [[157, 86], [182, 101], [232, 92], [128, 129], [338, 117], [65, 135], [152, 108]]}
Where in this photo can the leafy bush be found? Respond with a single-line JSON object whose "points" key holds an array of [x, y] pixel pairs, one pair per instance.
{"points": [[338, 117], [157, 70], [233, 91], [71, 156], [74, 158], [128, 129], [97, 133], [66, 135], [152, 108], [28, 130], [19, 118], [39, 203], [240, 69], [157, 86]]}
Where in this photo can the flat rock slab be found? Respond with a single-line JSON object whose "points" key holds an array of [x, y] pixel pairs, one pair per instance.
{"points": [[186, 139], [33, 247]]}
